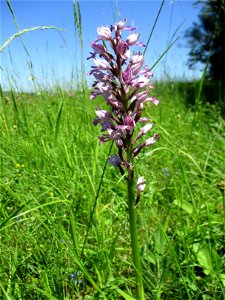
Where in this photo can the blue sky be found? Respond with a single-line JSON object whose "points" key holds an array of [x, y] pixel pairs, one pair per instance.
{"points": [[55, 55]]}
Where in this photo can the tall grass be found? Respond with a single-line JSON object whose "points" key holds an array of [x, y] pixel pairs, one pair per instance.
{"points": [[58, 242], [48, 191]]}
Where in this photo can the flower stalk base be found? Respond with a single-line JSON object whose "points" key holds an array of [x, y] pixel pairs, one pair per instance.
{"points": [[134, 239]]}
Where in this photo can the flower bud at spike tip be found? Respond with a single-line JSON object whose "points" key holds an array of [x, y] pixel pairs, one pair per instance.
{"points": [[120, 25]]}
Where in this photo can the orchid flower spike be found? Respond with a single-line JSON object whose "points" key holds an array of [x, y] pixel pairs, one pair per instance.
{"points": [[124, 82]]}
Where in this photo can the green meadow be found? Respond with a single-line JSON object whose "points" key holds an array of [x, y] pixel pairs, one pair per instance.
{"points": [[64, 228], [63, 221]]}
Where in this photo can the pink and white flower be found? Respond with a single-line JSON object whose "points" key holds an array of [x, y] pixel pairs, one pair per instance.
{"points": [[124, 82], [105, 33]]}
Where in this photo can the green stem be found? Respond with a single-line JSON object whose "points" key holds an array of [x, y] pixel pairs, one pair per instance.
{"points": [[134, 238]]}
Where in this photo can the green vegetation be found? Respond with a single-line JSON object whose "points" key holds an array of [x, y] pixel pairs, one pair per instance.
{"points": [[51, 165], [64, 229]]}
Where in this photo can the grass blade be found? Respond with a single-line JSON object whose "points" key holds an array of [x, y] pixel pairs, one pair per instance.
{"points": [[21, 32], [57, 123], [156, 19]]}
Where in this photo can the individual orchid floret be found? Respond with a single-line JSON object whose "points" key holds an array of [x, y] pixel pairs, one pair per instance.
{"points": [[114, 135], [100, 76], [98, 48], [136, 63], [117, 136], [141, 183], [102, 115], [121, 47], [143, 120], [146, 128], [137, 58], [120, 25], [127, 77], [153, 100], [132, 39], [101, 64], [126, 55], [129, 123], [93, 95], [142, 96], [140, 44], [105, 33], [147, 73], [143, 131], [149, 142]]}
